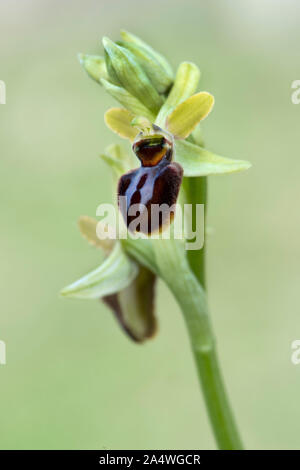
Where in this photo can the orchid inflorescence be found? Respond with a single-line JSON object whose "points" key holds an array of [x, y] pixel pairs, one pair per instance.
{"points": [[160, 116], [143, 82]]}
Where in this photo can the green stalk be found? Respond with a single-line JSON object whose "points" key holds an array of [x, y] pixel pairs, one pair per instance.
{"points": [[190, 295], [195, 192]]}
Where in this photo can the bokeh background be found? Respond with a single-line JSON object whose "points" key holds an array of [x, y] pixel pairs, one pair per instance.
{"points": [[72, 379]]}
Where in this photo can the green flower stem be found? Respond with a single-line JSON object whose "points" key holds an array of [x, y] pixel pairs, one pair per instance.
{"points": [[174, 269], [195, 192]]}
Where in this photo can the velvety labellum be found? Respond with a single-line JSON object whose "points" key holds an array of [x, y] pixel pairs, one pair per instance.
{"points": [[155, 183]]}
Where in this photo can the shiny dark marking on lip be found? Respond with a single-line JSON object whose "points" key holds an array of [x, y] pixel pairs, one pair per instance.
{"points": [[136, 198], [157, 181], [142, 181]]}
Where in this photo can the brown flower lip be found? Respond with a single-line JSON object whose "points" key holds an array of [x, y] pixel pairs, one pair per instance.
{"points": [[156, 182]]}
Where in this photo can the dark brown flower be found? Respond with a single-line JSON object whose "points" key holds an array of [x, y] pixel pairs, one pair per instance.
{"points": [[156, 183]]}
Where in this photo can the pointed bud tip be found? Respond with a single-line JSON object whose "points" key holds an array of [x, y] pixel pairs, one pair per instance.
{"points": [[125, 34], [107, 43]]}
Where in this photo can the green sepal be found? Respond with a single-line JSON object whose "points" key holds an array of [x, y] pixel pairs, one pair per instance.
{"points": [[155, 72], [197, 161], [113, 275], [112, 76], [131, 38], [118, 160], [127, 100], [142, 251], [94, 66], [133, 306]]}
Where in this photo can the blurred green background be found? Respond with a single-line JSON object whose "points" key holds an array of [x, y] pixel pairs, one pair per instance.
{"points": [[72, 379]]}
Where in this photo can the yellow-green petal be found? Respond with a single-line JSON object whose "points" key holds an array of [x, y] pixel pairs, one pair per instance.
{"points": [[185, 84], [87, 227], [185, 117], [119, 121]]}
